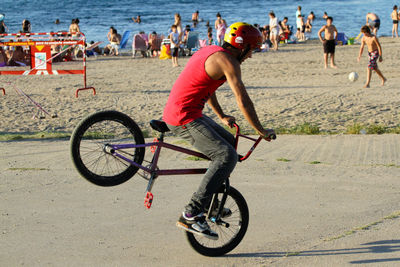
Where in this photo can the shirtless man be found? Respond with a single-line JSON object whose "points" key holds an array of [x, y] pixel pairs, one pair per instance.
{"points": [[375, 22], [329, 41], [374, 53]]}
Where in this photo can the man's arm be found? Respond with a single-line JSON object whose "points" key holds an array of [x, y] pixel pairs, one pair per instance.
{"points": [[320, 33], [214, 104], [231, 69]]}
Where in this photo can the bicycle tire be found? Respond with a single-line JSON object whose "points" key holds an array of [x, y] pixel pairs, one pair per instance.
{"points": [[211, 248], [87, 147]]}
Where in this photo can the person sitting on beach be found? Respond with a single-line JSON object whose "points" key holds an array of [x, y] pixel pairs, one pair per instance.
{"points": [[329, 41], [3, 57], [154, 44], [114, 42], [204, 73], [137, 20], [375, 22], [374, 54], [285, 32], [18, 57], [185, 40], [395, 19], [220, 26], [26, 26], [210, 40]]}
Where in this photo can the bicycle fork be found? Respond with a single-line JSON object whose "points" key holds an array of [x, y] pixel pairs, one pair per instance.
{"points": [[214, 201]]}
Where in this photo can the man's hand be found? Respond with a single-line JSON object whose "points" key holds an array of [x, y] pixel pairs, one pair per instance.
{"points": [[228, 120], [268, 134]]}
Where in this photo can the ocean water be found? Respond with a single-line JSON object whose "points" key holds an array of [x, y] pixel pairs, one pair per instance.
{"points": [[97, 16]]}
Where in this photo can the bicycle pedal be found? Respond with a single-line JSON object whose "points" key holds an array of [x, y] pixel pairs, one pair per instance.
{"points": [[148, 200]]}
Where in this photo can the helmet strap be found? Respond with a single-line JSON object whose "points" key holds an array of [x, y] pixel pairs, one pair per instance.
{"points": [[243, 53]]}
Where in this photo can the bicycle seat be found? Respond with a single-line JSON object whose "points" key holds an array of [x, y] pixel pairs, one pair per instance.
{"points": [[159, 126]]}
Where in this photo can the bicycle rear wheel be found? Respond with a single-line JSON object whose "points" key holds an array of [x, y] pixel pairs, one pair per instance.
{"points": [[88, 152], [229, 236]]}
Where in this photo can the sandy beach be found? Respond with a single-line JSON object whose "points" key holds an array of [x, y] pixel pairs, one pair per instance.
{"points": [[289, 87], [323, 200]]}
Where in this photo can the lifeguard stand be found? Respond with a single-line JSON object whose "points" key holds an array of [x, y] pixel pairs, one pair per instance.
{"points": [[39, 46]]}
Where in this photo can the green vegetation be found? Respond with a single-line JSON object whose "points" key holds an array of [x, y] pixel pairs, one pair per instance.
{"points": [[283, 160], [306, 128], [39, 135], [315, 162], [392, 216], [194, 158], [357, 128]]}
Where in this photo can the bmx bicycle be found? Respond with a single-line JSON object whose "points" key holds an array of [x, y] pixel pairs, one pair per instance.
{"points": [[108, 148]]}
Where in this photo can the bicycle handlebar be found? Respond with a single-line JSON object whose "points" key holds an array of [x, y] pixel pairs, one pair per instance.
{"points": [[271, 136], [256, 141]]}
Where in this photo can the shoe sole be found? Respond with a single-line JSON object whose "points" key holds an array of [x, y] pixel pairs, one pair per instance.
{"points": [[187, 229]]}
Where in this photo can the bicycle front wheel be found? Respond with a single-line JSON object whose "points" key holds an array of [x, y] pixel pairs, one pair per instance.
{"points": [[230, 233], [88, 142]]}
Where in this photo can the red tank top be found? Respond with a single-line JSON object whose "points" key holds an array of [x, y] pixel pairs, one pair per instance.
{"points": [[192, 89]]}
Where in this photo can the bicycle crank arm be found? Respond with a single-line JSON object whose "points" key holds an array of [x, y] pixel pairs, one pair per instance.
{"points": [[219, 222]]}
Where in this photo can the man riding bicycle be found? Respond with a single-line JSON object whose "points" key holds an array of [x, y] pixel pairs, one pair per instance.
{"points": [[207, 70]]}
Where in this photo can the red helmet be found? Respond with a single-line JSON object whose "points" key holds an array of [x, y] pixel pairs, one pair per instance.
{"points": [[241, 34]]}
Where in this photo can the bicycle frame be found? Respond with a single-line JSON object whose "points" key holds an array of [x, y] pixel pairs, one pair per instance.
{"points": [[158, 144]]}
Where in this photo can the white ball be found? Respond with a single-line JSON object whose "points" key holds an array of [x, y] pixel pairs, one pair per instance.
{"points": [[353, 76]]}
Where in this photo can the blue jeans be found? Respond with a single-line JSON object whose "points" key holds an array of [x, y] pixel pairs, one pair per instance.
{"points": [[215, 142]]}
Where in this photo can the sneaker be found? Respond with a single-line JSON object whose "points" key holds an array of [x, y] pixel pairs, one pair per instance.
{"points": [[196, 224]]}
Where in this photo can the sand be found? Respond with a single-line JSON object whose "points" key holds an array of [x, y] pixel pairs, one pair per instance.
{"points": [[289, 87], [311, 198]]}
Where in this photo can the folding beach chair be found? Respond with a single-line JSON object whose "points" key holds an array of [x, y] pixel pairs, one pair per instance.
{"points": [[124, 39], [341, 38]]}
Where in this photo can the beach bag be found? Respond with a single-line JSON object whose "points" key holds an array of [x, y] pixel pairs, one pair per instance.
{"points": [[165, 51]]}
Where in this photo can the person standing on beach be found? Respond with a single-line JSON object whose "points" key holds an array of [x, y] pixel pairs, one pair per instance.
{"points": [[274, 30], [220, 26], [298, 22], [204, 73], [329, 41], [3, 26], [395, 19], [374, 53], [174, 38], [375, 22]]}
